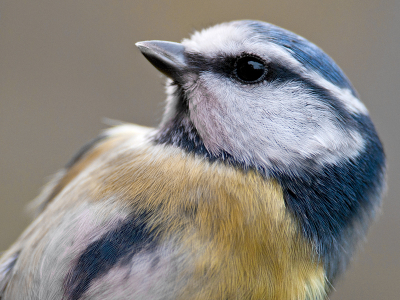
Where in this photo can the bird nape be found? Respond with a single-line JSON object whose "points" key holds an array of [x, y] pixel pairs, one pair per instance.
{"points": [[259, 183]]}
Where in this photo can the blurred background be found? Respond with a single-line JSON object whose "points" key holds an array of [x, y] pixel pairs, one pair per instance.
{"points": [[67, 65]]}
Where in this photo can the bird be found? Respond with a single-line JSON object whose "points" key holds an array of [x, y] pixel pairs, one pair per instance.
{"points": [[260, 182]]}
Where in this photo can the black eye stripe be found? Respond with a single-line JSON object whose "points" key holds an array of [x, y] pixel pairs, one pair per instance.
{"points": [[252, 69], [225, 65]]}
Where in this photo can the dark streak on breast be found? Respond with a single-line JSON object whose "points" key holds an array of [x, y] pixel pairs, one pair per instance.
{"points": [[115, 248]]}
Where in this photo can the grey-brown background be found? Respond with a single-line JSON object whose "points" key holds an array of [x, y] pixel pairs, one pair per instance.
{"points": [[65, 65]]}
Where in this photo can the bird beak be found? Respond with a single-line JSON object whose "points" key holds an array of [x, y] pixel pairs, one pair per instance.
{"points": [[167, 57]]}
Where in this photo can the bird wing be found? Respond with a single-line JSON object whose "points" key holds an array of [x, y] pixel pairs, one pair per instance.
{"points": [[77, 164]]}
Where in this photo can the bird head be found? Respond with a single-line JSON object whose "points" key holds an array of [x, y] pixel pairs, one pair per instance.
{"points": [[260, 94]]}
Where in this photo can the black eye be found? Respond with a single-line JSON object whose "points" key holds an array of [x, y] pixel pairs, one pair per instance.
{"points": [[250, 69]]}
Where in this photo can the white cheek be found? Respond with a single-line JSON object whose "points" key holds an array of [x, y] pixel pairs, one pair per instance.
{"points": [[207, 116], [264, 123]]}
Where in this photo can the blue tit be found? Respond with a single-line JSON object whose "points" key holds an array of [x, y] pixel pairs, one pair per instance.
{"points": [[259, 183]]}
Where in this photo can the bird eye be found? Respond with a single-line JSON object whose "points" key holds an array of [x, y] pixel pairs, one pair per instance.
{"points": [[250, 69]]}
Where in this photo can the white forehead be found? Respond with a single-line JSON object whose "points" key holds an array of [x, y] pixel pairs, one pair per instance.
{"points": [[235, 38], [221, 37]]}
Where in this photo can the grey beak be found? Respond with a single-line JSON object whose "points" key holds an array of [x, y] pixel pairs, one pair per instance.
{"points": [[167, 57]]}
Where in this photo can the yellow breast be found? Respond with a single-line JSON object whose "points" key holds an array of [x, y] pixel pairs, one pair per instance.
{"points": [[232, 225]]}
